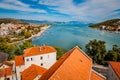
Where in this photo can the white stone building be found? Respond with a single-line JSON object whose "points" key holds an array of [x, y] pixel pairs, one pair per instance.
{"points": [[6, 70], [44, 56], [114, 71]]}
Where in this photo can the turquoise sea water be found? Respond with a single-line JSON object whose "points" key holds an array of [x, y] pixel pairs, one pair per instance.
{"points": [[67, 36]]}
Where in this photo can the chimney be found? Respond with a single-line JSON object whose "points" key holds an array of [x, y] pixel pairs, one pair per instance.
{"points": [[40, 48]]}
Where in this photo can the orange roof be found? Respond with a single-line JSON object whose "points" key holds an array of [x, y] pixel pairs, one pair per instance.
{"points": [[19, 60], [96, 76], [5, 72], [74, 65], [8, 63], [32, 72], [116, 67], [38, 50]]}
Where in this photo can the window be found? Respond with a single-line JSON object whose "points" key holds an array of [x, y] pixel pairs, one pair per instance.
{"points": [[41, 57], [41, 64], [7, 78], [27, 59]]}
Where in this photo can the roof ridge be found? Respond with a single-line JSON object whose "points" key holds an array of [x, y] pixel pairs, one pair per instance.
{"points": [[83, 52], [98, 74], [33, 71], [114, 68], [37, 50], [87, 57], [61, 60]]}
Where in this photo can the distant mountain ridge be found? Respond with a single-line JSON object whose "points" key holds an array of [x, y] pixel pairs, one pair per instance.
{"points": [[36, 21], [23, 21], [52, 22]]}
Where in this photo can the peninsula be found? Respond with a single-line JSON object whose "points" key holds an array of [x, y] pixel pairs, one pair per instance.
{"points": [[108, 25]]}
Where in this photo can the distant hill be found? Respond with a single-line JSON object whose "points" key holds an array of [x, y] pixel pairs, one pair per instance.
{"points": [[52, 22], [36, 21], [112, 23], [23, 21], [11, 20]]}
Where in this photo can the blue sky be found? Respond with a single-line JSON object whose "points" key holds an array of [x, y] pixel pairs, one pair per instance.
{"points": [[61, 10]]}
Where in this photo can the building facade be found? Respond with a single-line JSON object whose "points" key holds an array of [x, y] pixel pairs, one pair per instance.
{"points": [[44, 56]]}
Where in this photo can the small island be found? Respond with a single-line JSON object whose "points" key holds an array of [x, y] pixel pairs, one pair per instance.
{"points": [[109, 25]]}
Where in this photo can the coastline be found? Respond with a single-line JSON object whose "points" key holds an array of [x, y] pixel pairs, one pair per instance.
{"points": [[33, 36], [39, 33], [117, 32]]}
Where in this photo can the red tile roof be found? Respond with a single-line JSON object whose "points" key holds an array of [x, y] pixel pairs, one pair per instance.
{"points": [[19, 60], [32, 72], [38, 50], [74, 65], [116, 67], [5, 72], [8, 63], [96, 76]]}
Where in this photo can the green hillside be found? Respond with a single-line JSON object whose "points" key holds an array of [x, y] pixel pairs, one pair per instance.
{"points": [[112, 23], [11, 20]]}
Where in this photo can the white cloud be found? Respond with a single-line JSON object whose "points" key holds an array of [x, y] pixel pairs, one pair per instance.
{"points": [[91, 10], [17, 5], [16, 2]]}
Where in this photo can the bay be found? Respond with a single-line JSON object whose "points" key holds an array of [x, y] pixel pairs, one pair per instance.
{"points": [[68, 36]]}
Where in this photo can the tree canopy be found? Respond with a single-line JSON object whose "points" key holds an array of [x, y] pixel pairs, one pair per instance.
{"points": [[60, 51], [114, 54], [96, 49]]}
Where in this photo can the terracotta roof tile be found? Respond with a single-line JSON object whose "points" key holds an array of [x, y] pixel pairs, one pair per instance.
{"points": [[32, 72], [5, 72], [38, 50], [74, 65], [116, 67], [96, 76], [19, 60], [8, 63]]}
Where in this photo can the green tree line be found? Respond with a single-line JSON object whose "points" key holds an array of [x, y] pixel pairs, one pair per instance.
{"points": [[13, 50], [96, 49]]}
